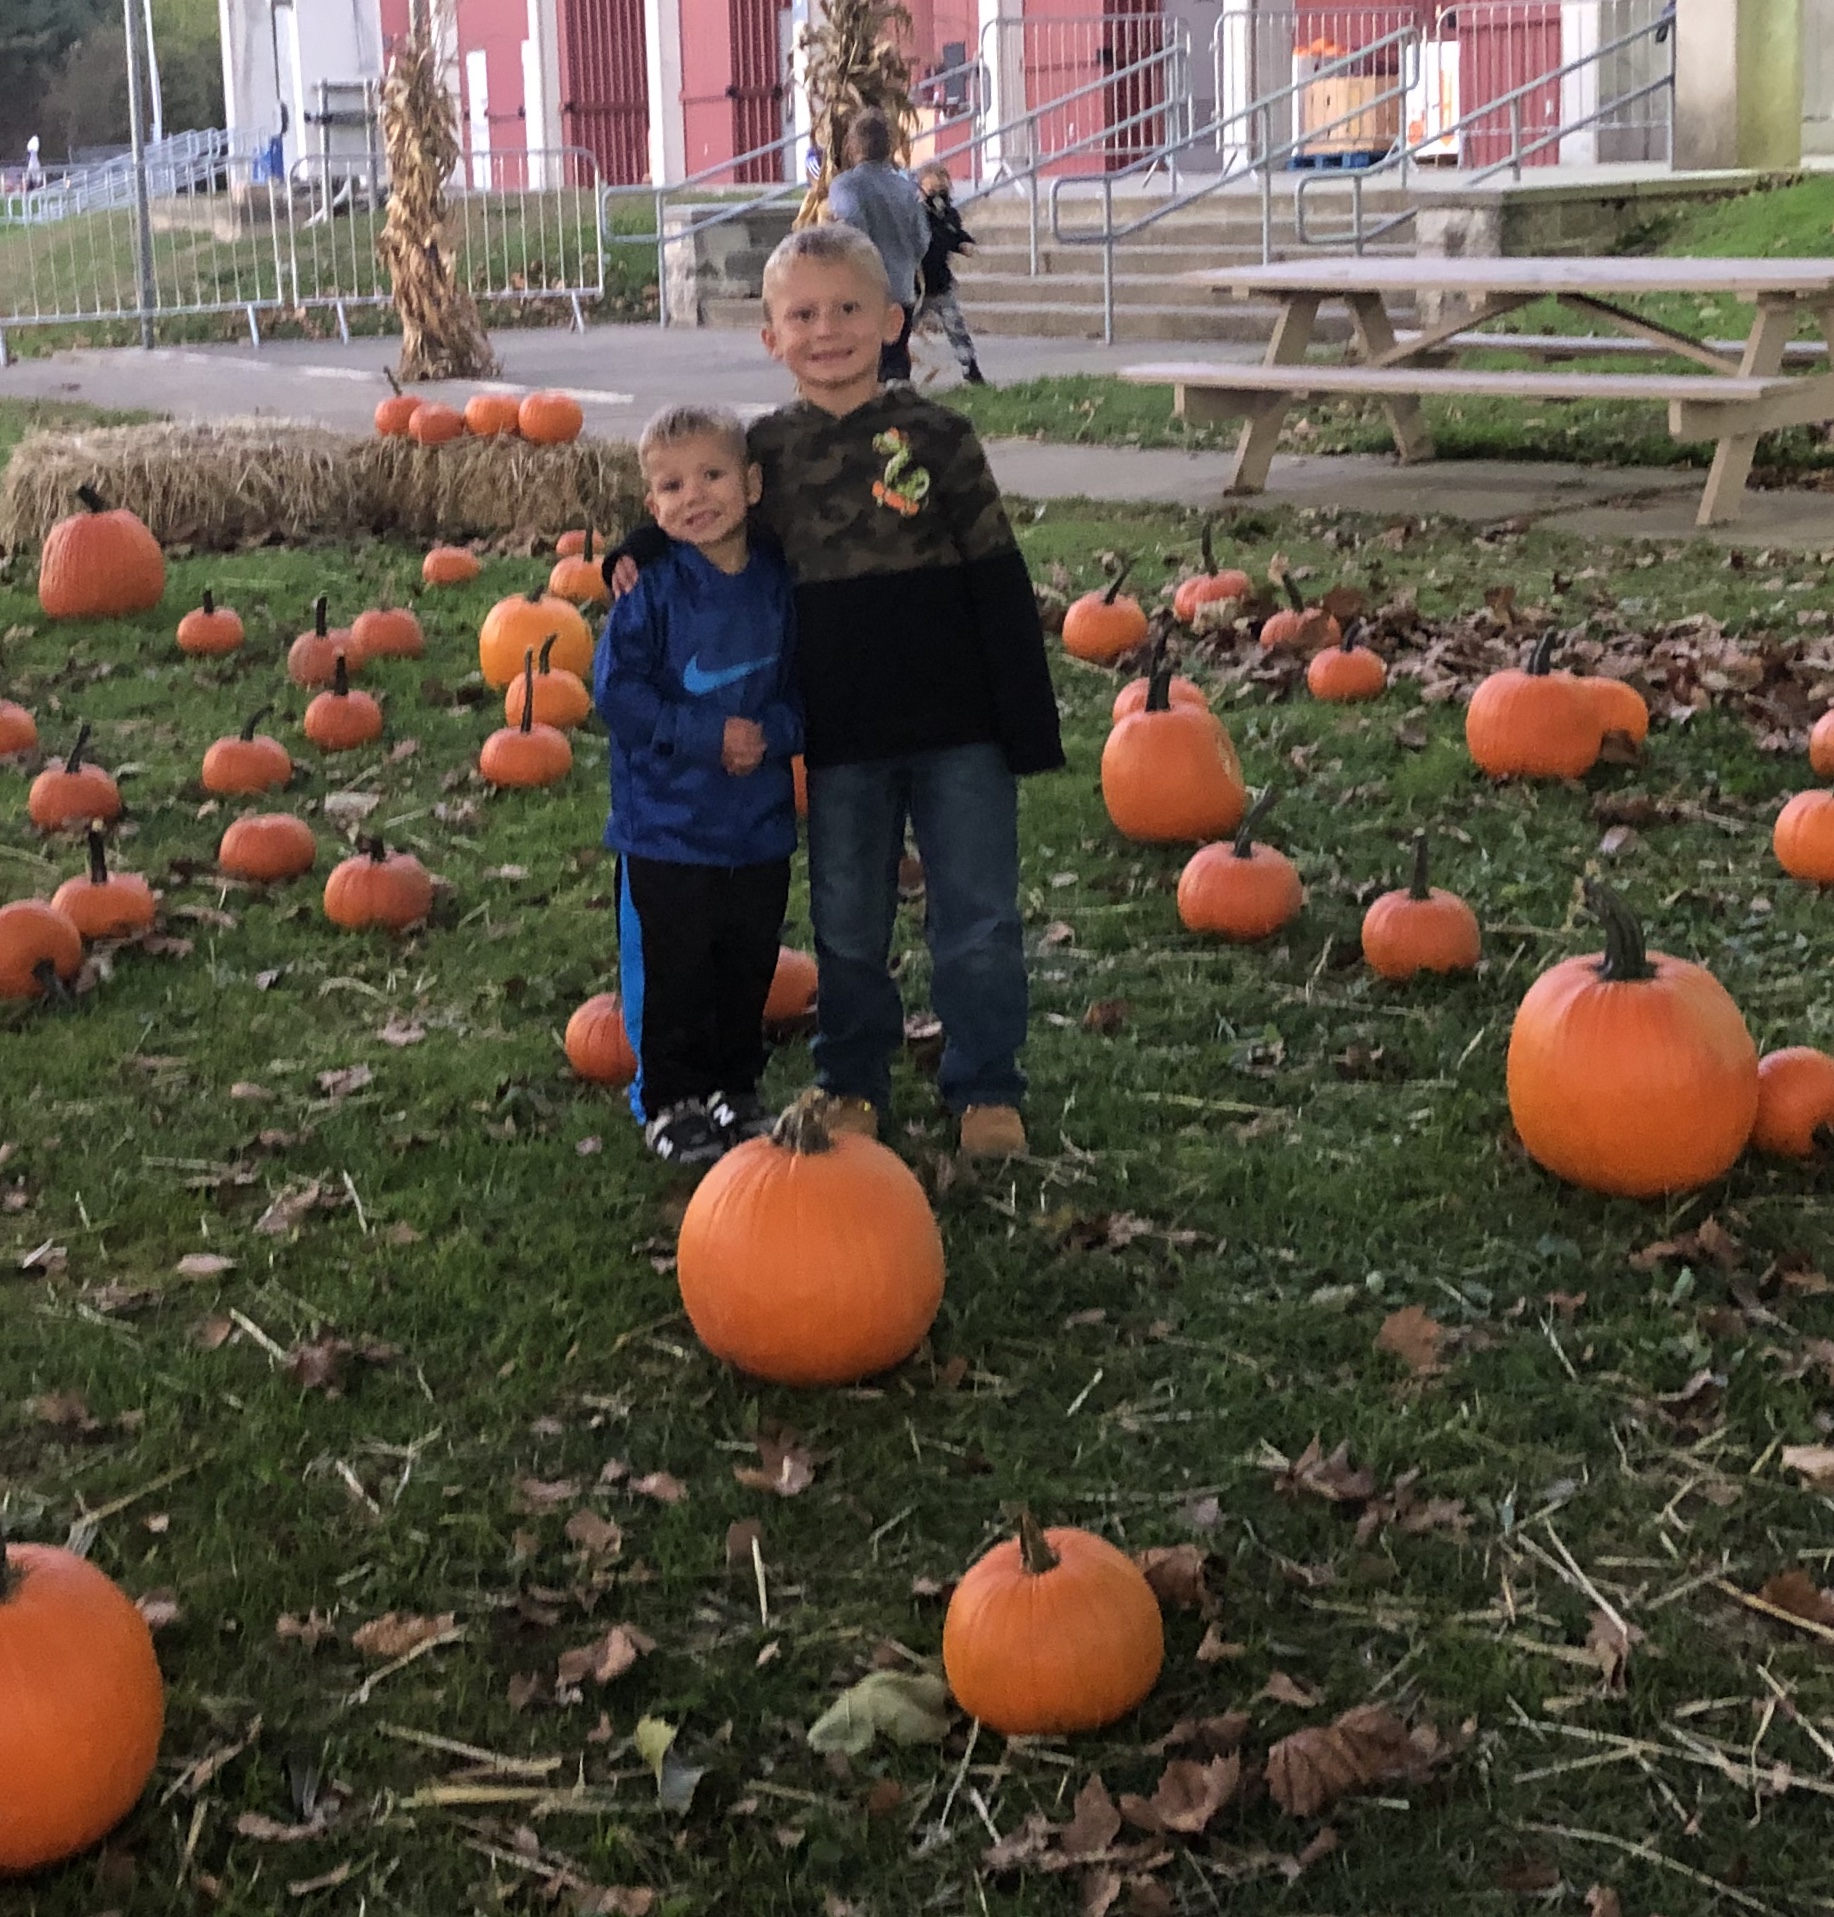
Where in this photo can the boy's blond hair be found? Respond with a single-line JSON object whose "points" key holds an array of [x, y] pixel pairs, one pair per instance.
{"points": [[833, 243], [674, 424], [933, 170]]}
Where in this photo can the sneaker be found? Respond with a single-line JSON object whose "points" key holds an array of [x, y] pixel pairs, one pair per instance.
{"points": [[684, 1135], [852, 1117], [740, 1116], [993, 1131], [974, 376]]}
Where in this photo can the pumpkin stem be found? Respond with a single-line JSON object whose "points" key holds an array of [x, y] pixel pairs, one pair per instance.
{"points": [[1541, 659], [536, 596], [98, 857], [376, 850], [340, 678], [1205, 547], [1159, 671], [528, 688], [1295, 597], [1035, 1551], [320, 623], [254, 719], [92, 500], [388, 373], [803, 1128], [210, 604], [1420, 889], [76, 751], [1245, 838], [588, 547], [1353, 634], [545, 662], [1120, 579], [1626, 958]]}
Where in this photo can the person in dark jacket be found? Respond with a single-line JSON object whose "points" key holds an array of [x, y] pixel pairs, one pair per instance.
{"points": [[885, 205], [693, 677], [948, 236]]}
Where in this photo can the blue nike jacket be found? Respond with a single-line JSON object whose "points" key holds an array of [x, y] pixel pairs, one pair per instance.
{"points": [[686, 649]]}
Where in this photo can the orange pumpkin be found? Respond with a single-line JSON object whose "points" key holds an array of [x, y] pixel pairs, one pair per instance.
{"points": [[73, 793], [526, 754], [488, 415], [341, 720], [209, 630], [1209, 586], [518, 625], [378, 887], [1821, 746], [392, 633], [1420, 928], [314, 657], [1132, 697], [799, 782], [1534, 724], [1630, 1072], [450, 566], [268, 847], [1803, 838], [99, 564], [246, 761], [571, 544], [102, 905], [1100, 626], [1170, 772], [40, 950], [1298, 627], [18, 729], [1620, 707], [433, 423], [550, 419], [792, 993], [561, 698], [810, 1257], [1242, 891], [394, 413], [1052, 1631], [581, 580], [84, 1705], [1795, 1102], [1345, 673], [598, 1047]]}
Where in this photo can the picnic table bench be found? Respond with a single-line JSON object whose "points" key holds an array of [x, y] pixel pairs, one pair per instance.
{"points": [[1733, 400]]}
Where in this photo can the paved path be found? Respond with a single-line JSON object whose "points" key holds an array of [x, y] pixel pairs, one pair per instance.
{"points": [[623, 373]]}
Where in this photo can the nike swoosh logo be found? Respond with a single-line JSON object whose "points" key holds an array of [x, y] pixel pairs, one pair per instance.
{"points": [[698, 681]]}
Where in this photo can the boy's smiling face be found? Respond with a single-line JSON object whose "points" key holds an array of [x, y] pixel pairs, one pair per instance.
{"points": [[826, 322], [698, 491]]}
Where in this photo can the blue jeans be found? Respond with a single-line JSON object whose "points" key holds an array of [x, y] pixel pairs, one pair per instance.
{"points": [[964, 806]]}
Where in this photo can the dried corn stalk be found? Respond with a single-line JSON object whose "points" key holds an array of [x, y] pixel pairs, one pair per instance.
{"points": [[442, 336], [854, 59]]}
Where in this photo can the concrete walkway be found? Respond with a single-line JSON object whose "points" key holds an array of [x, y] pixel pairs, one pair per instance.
{"points": [[621, 374]]}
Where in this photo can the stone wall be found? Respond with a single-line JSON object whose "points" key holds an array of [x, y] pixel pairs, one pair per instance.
{"points": [[720, 263]]}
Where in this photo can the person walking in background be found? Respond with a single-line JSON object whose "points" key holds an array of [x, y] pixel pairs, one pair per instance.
{"points": [[947, 236], [884, 204]]}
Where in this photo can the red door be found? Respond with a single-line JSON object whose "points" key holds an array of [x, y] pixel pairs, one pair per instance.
{"points": [[731, 85], [1077, 69], [1504, 45], [604, 86], [757, 88], [1133, 31]]}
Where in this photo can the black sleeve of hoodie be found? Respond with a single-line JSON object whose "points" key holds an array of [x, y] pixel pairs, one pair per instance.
{"points": [[644, 544]]}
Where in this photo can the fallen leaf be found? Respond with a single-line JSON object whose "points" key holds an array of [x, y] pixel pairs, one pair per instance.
{"points": [[545, 1494], [1176, 1573], [1413, 1336], [402, 1233], [203, 1264], [654, 1738], [1332, 1478], [1094, 1821], [1281, 1689], [1603, 1901], [1814, 1461], [64, 1411], [246, 1090], [1106, 1016], [321, 1364], [210, 1333], [1797, 1593], [396, 1633], [1216, 1648], [605, 1658], [344, 1081], [909, 1707], [663, 1486], [598, 1537], [1188, 1796], [402, 1031], [1610, 1642], [312, 1630], [1366, 1745], [884, 1797], [740, 1537], [159, 1608], [785, 1470], [1710, 1242], [287, 1211]]}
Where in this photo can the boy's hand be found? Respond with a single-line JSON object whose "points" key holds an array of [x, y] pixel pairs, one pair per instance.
{"points": [[742, 747], [623, 576]]}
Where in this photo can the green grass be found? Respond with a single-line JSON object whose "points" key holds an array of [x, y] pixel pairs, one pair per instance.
{"points": [[1310, 1150]]}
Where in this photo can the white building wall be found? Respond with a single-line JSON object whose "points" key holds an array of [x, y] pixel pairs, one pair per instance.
{"points": [[275, 53]]}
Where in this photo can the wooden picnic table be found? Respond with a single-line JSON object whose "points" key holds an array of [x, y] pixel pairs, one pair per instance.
{"points": [[1733, 401]]}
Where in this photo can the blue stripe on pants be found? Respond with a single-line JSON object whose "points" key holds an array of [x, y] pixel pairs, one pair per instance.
{"points": [[630, 983]]}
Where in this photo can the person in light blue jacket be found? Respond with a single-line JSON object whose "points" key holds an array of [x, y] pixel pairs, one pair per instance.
{"points": [[693, 679], [886, 206]]}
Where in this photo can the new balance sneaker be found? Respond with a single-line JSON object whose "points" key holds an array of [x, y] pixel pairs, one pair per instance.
{"points": [[684, 1134], [992, 1131], [739, 1116], [858, 1117]]}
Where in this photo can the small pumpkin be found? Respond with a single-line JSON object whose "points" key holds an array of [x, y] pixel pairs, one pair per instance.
{"points": [[1631, 1072], [561, 698], [267, 847], [810, 1257], [598, 1047], [1821, 746], [1297, 627], [40, 952], [105, 905], [518, 624], [378, 887], [73, 793], [210, 630], [573, 542], [1242, 891], [1132, 697], [18, 729], [1209, 586], [580, 580], [792, 993], [1535, 723], [1100, 626], [99, 564], [526, 754], [387, 633], [340, 720], [1171, 772], [550, 418], [1052, 1631], [489, 415], [246, 761], [1795, 1102], [313, 658], [1347, 672], [1420, 928], [450, 566], [434, 423], [1620, 707], [394, 413], [85, 1707], [1803, 837]]}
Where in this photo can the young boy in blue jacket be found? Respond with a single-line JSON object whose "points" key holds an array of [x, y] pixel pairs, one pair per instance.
{"points": [[693, 679]]}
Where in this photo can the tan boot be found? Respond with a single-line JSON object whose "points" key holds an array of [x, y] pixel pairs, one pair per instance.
{"points": [[993, 1131], [852, 1117]]}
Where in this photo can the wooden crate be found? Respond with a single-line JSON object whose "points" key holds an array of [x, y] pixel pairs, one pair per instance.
{"points": [[1370, 123]]}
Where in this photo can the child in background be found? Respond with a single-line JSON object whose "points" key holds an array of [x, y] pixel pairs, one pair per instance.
{"points": [[947, 236], [692, 677], [884, 204]]}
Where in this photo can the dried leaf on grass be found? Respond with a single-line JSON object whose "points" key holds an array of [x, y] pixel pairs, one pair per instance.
{"points": [[1368, 1745], [1711, 1243], [1333, 1479], [909, 1707], [598, 1537], [1414, 1336], [1815, 1462], [1188, 1796], [324, 1363], [203, 1264], [663, 1486], [675, 1778], [396, 1633], [605, 1658], [1176, 1573], [312, 1630], [1797, 1593], [784, 1469]]}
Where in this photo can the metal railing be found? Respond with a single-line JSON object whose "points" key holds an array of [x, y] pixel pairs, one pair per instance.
{"points": [[172, 165]]}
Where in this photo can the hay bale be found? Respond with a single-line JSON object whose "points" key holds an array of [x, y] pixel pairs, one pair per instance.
{"points": [[245, 483]]}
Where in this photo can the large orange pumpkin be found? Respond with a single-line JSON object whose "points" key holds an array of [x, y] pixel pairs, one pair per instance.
{"points": [[18, 729], [1212, 584], [38, 948], [246, 761], [84, 1705], [1242, 891], [526, 754], [1795, 1102], [1100, 626], [210, 630], [73, 793], [340, 720], [1534, 724], [105, 905], [561, 698], [450, 566], [268, 847], [1052, 1631], [99, 564], [378, 887], [1171, 772], [523, 623], [792, 993], [387, 632], [1620, 706], [1631, 1072], [598, 1047], [1803, 837], [550, 419], [1343, 674], [1420, 928], [433, 423], [1821, 746], [810, 1257], [489, 414]]}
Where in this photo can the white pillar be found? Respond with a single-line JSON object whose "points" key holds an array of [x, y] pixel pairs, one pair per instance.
{"points": [[1002, 32], [1579, 36], [541, 91], [668, 122]]}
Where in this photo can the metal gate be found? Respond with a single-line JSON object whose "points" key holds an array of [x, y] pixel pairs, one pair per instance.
{"points": [[1135, 103], [1066, 60], [1503, 47], [605, 104]]}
